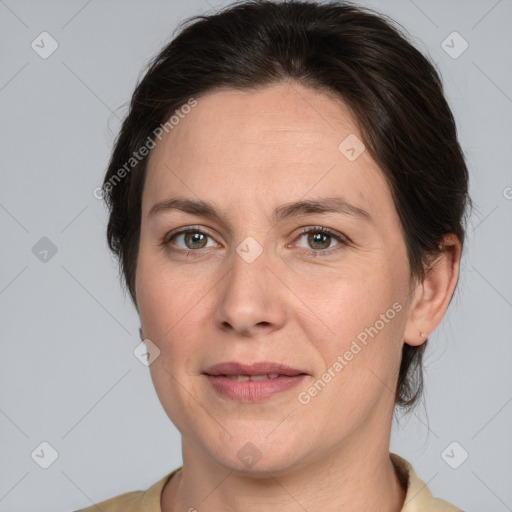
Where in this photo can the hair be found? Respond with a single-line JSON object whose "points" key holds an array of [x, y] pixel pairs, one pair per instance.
{"points": [[347, 51]]}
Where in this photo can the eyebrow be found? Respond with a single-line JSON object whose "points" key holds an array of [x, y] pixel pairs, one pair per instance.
{"points": [[285, 211]]}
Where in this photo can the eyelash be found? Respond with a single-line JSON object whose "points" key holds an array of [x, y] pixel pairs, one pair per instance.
{"points": [[343, 241]]}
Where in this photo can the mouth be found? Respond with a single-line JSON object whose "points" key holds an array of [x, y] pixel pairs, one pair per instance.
{"points": [[254, 371], [254, 382], [252, 378]]}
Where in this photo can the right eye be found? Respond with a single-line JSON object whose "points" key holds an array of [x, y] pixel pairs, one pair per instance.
{"points": [[188, 240]]}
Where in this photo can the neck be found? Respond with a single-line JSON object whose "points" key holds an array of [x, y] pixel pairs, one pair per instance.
{"points": [[347, 479]]}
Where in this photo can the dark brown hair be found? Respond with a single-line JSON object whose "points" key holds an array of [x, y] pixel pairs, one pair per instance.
{"points": [[358, 55]]}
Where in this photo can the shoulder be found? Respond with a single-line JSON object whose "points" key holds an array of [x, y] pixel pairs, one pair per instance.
{"points": [[439, 505], [134, 501], [128, 502], [418, 496]]}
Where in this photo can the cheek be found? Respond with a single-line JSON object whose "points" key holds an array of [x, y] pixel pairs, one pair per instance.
{"points": [[172, 314], [167, 317], [361, 358], [358, 316], [163, 297], [345, 300]]}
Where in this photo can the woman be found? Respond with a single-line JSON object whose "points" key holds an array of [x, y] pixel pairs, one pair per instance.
{"points": [[287, 201]]}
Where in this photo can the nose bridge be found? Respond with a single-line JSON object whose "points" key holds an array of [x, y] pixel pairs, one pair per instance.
{"points": [[247, 299], [247, 279]]}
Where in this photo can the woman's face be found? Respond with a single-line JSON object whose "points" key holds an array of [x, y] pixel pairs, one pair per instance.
{"points": [[246, 284]]}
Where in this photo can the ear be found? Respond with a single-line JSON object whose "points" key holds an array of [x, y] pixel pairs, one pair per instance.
{"points": [[432, 296]]}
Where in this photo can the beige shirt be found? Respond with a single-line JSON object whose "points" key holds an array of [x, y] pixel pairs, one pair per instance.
{"points": [[418, 497]]}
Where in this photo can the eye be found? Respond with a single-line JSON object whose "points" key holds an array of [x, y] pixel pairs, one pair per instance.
{"points": [[192, 238], [319, 239]]}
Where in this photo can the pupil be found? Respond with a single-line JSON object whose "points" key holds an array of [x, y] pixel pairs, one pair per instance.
{"points": [[194, 239], [317, 239]]}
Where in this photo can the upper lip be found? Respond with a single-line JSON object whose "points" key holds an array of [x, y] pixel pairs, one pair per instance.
{"points": [[257, 368]]}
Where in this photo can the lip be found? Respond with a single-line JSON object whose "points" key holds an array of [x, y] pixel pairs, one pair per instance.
{"points": [[252, 391], [257, 368]]}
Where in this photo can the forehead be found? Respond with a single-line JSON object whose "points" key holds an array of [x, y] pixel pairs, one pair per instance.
{"points": [[281, 142], [271, 116]]}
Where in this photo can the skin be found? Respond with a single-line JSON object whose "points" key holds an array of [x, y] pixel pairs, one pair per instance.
{"points": [[247, 153]]}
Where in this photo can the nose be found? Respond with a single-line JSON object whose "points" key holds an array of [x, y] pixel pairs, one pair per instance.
{"points": [[251, 300]]}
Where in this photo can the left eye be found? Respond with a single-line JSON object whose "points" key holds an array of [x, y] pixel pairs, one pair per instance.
{"points": [[319, 239]]}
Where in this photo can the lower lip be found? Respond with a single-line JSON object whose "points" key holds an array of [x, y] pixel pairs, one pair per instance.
{"points": [[253, 391]]}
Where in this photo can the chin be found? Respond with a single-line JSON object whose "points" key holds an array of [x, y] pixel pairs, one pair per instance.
{"points": [[257, 458]]}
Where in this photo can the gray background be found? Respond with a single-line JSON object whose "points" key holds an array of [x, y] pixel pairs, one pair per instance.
{"points": [[67, 372]]}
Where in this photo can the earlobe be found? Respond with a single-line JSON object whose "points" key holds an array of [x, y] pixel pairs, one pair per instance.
{"points": [[433, 294]]}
